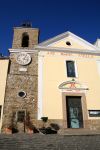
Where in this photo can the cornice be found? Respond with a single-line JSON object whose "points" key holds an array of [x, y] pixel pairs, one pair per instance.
{"points": [[56, 49], [2, 58], [68, 50], [22, 50], [26, 28]]}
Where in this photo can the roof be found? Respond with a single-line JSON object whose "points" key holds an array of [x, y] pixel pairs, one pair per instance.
{"points": [[59, 37]]}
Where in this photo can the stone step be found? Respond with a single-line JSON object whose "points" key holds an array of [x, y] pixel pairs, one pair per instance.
{"points": [[79, 131]]}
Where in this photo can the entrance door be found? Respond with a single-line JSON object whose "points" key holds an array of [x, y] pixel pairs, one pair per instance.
{"points": [[74, 112], [21, 120]]}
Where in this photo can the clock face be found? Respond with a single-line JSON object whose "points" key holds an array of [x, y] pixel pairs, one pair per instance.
{"points": [[23, 58]]}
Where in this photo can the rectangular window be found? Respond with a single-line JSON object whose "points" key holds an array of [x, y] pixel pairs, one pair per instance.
{"points": [[94, 113], [20, 116], [70, 69]]}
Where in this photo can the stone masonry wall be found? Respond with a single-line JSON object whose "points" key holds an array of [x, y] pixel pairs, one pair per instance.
{"points": [[17, 39], [17, 81]]}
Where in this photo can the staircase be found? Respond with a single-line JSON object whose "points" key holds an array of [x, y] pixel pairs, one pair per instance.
{"points": [[49, 142]]}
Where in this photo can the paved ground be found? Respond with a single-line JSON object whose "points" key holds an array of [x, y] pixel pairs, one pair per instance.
{"points": [[49, 142]]}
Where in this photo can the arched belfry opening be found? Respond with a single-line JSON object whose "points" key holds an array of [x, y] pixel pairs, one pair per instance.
{"points": [[25, 40], [25, 36]]}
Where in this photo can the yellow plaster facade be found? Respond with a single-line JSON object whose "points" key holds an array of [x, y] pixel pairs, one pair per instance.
{"points": [[3, 76], [54, 73]]}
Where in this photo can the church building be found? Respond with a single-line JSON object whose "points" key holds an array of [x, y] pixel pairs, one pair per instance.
{"points": [[69, 81], [58, 78]]}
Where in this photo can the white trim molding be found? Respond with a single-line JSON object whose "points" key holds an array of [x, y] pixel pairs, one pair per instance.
{"points": [[76, 68], [40, 86], [22, 50], [63, 36], [66, 50]]}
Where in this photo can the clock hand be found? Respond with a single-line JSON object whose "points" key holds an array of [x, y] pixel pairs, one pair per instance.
{"points": [[25, 57]]}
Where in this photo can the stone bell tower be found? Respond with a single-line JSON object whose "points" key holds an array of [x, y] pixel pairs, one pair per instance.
{"points": [[25, 36], [20, 108]]}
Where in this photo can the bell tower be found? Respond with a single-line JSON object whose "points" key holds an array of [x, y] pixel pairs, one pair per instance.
{"points": [[21, 97], [25, 36]]}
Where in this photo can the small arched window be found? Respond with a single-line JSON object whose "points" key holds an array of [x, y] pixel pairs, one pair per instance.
{"points": [[25, 40]]}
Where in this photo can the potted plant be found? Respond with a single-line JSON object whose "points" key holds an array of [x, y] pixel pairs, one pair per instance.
{"points": [[29, 130], [43, 129], [8, 130], [44, 119]]}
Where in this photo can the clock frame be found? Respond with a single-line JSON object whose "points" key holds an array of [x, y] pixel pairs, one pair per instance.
{"points": [[23, 58]]}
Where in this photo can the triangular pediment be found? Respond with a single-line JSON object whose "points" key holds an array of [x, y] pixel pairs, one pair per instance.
{"points": [[68, 40]]}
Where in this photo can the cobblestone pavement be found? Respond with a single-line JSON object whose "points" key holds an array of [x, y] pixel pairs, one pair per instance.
{"points": [[49, 142]]}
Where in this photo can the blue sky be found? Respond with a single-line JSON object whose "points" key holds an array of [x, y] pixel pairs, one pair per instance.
{"points": [[82, 17]]}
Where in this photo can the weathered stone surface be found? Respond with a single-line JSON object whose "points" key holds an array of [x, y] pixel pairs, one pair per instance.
{"points": [[21, 81], [17, 39], [31, 68], [22, 78]]}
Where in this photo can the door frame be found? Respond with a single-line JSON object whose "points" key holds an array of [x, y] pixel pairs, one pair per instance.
{"points": [[68, 99], [18, 111], [23, 121], [84, 108]]}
